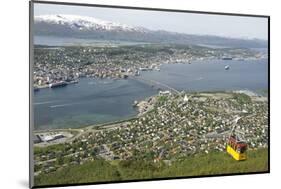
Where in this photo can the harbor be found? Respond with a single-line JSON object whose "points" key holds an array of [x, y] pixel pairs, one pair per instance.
{"points": [[95, 101]]}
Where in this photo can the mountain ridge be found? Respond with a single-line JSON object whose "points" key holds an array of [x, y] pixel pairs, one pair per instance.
{"points": [[89, 27]]}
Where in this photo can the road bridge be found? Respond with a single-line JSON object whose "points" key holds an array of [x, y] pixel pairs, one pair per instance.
{"points": [[153, 82]]}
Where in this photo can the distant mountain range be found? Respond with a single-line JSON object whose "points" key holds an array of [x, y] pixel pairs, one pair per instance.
{"points": [[88, 27]]}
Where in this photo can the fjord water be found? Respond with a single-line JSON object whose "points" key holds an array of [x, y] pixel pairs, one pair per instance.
{"points": [[94, 101], [70, 41], [212, 76], [91, 101]]}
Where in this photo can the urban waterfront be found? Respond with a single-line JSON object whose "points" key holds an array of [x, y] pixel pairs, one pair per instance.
{"points": [[95, 101], [120, 101]]}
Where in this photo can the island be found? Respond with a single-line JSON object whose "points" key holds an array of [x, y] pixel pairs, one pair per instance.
{"points": [[174, 135]]}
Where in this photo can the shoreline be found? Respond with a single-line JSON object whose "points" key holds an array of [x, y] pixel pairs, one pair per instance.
{"points": [[159, 64], [179, 125], [85, 127], [47, 86], [110, 124]]}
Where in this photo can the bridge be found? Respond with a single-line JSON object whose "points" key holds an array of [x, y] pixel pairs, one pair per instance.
{"points": [[153, 82]]}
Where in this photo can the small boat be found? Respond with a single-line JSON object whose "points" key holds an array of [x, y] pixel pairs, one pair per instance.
{"points": [[57, 84], [135, 104], [226, 67]]}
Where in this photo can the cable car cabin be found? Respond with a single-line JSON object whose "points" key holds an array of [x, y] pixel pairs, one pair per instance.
{"points": [[236, 148]]}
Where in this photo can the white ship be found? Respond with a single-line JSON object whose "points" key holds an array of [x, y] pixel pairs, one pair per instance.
{"points": [[57, 84]]}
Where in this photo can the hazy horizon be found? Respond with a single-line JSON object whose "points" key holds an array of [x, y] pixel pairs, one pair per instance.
{"points": [[188, 23]]}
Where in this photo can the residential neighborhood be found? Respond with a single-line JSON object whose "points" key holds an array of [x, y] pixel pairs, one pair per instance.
{"points": [[169, 126]]}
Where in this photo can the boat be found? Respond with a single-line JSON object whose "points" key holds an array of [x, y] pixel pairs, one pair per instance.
{"points": [[226, 67], [58, 84], [135, 104], [227, 58], [143, 69]]}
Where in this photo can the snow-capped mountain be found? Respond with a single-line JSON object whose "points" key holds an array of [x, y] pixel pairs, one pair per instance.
{"points": [[85, 23], [92, 28]]}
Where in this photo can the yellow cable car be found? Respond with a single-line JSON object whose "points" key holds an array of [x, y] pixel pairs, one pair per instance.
{"points": [[235, 146], [237, 149]]}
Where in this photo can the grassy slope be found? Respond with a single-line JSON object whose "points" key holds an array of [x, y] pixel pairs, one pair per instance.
{"points": [[214, 163]]}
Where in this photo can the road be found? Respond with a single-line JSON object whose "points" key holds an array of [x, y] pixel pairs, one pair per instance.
{"points": [[156, 83]]}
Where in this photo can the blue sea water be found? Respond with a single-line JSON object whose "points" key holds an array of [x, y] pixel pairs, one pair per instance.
{"points": [[94, 101]]}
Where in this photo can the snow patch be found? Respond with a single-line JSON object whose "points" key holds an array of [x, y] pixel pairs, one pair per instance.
{"points": [[86, 23]]}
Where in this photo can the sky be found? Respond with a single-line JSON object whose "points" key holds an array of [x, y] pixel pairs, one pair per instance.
{"points": [[189, 23]]}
